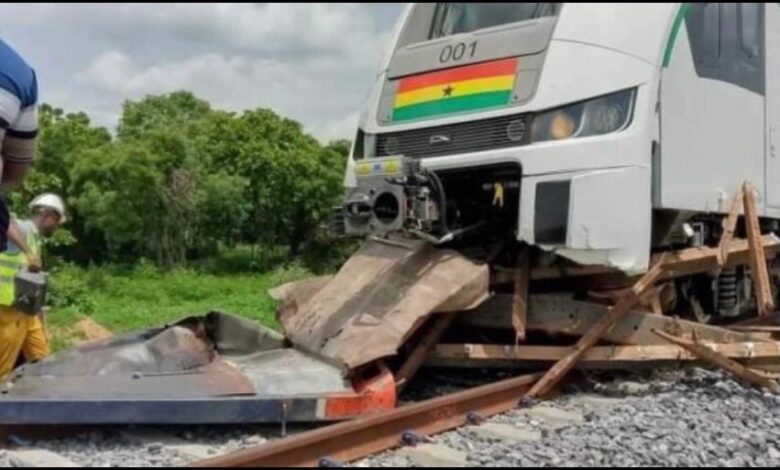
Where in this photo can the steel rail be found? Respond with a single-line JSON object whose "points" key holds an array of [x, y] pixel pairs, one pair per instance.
{"points": [[352, 440]]}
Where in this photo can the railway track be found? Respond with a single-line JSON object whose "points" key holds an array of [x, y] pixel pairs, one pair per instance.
{"points": [[181, 445], [345, 442], [624, 422]]}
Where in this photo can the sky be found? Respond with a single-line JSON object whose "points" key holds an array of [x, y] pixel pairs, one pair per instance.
{"points": [[310, 62]]}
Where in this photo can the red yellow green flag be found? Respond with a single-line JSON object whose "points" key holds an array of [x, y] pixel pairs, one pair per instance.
{"points": [[467, 88]]}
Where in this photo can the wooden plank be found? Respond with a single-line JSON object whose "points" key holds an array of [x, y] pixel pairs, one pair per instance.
{"points": [[679, 263], [656, 306], [650, 301], [520, 295], [729, 225], [416, 359], [561, 315], [600, 356], [752, 377], [758, 267], [705, 259], [591, 337]]}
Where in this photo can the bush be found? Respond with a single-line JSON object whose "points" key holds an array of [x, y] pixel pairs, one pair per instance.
{"points": [[69, 286]]}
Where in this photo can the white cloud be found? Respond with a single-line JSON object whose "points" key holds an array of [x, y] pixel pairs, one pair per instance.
{"points": [[316, 93], [344, 128], [109, 70], [342, 29], [310, 62]]}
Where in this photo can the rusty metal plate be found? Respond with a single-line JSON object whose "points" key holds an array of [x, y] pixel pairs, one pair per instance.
{"points": [[380, 297]]}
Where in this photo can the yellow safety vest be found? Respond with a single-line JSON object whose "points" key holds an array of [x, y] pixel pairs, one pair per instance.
{"points": [[10, 264]]}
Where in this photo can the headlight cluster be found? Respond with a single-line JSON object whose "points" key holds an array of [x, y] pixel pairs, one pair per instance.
{"points": [[597, 116]]}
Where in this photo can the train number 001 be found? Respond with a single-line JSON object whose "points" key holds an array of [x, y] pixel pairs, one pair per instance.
{"points": [[456, 52]]}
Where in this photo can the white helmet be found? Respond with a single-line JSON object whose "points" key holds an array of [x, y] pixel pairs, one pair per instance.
{"points": [[52, 202]]}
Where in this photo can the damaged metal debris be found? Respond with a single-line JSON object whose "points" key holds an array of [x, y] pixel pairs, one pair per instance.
{"points": [[351, 342], [218, 368]]}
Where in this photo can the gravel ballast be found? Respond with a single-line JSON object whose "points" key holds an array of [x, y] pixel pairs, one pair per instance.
{"points": [[691, 417]]}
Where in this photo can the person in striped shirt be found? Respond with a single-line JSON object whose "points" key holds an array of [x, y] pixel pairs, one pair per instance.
{"points": [[18, 125]]}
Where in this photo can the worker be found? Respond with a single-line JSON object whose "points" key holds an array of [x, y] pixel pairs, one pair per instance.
{"points": [[20, 331], [18, 125]]}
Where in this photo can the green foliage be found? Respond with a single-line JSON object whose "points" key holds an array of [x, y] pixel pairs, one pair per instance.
{"points": [[70, 288], [180, 181], [123, 299], [292, 181]]}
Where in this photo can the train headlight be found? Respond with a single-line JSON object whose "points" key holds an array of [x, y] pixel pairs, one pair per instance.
{"points": [[607, 114], [561, 126], [597, 116], [606, 118]]}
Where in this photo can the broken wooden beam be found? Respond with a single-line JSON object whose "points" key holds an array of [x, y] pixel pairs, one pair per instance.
{"points": [[705, 259], [729, 226], [758, 267], [597, 357], [679, 263], [561, 315], [416, 359], [651, 302], [553, 376], [520, 294], [710, 355]]}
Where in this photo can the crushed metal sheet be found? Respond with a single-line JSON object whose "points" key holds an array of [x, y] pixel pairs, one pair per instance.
{"points": [[213, 368], [287, 372], [378, 299]]}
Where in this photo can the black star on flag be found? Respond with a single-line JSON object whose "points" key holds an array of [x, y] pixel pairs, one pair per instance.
{"points": [[448, 91]]}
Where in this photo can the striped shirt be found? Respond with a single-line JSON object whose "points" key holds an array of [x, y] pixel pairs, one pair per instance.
{"points": [[18, 107]]}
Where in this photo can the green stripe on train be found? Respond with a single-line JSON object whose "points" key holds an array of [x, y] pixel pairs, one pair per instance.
{"points": [[452, 105], [682, 12]]}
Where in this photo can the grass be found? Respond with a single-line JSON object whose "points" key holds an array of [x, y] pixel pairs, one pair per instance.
{"points": [[127, 299]]}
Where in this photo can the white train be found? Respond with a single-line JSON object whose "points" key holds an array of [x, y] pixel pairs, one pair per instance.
{"points": [[593, 131]]}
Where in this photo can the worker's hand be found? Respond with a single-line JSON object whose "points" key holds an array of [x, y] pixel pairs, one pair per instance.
{"points": [[33, 263]]}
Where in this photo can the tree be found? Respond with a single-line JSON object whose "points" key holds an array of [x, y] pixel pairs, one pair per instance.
{"points": [[118, 190], [180, 179], [292, 181]]}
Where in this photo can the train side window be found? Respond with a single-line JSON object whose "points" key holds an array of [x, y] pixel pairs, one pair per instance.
{"points": [[726, 41], [704, 31], [750, 29], [711, 34]]}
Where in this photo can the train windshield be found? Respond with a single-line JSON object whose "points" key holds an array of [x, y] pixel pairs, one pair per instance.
{"points": [[456, 18]]}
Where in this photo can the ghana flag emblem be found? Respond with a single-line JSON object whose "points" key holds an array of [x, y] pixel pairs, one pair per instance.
{"points": [[459, 89]]}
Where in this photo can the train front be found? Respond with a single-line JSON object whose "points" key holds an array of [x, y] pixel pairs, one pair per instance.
{"points": [[534, 122]]}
